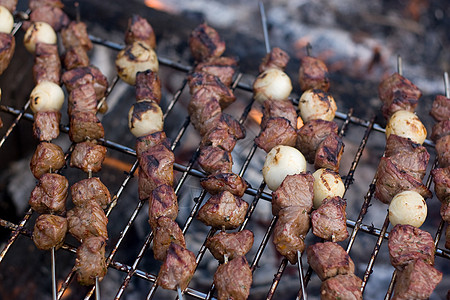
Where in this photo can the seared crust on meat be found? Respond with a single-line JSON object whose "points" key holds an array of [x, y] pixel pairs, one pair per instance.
{"points": [[215, 160], [88, 156], [443, 151], [295, 190], [205, 43], [276, 59], [441, 179], [220, 182], [85, 125], [440, 110], [46, 125], [231, 244], [162, 202], [75, 35], [90, 262], [313, 74], [50, 194], [140, 30], [52, 15], [7, 47], [49, 231], [146, 142], [346, 286], [329, 153], [440, 130], [329, 220], [47, 64], [47, 157], [87, 221], [90, 189], [148, 86], [222, 67], [166, 232], [82, 98], [77, 77], [233, 279], [275, 109], [278, 131]]}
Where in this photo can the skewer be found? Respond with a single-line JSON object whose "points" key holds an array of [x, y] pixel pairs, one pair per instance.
{"points": [[447, 85], [399, 65], [300, 273], [54, 289], [180, 294], [77, 11], [264, 26], [97, 289], [308, 49]]}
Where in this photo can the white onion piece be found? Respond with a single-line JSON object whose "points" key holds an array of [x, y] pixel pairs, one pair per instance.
{"points": [[317, 104], [134, 58], [406, 124], [6, 20], [46, 96], [145, 117], [327, 183], [280, 162], [408, 207], [38, 32], [272, 84]]}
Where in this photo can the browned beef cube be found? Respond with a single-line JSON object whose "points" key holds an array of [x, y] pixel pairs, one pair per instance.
{"points": [[162, 202], [144, 143], [139, 30], [313, 74], [87, 221], [346, 287], [75, 35], [90, 262], [83, 98], [230, 244], [275, 109], [7, 47], [47, 65], [85, 125], [440, 110], [294, 190], [9, 5], [212, 87], [148, 86], [223, 210], [166, 232], [219, 137], [276, 59], [80, 76], [91, 189], [50, 194], [47, 157], [220, 182], [443, 151], [417, 281], [311, 134], [49, 231], [329, 259], [205, 43], [88, 156], [52, 15], [440, 130], [201, 109], [233, 279], [445, 211], [222, 67], [329, 153], [155, 169], [447, 237], [408, 243], [225, 121], [75, 57], [177, 269], [35, 4], [290, 231], [441, 179], [278, 131], [46, 125], [329, 220], [215, 160]]}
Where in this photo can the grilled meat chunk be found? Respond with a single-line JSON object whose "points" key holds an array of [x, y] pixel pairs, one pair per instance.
{"points": [[7, 47], [91, 189], [83, 98], [177, 269], [87, 221], [440, 110], [201, 109], [447, 237], [220, 182], [146, 142], [47, 65], [46, 125], [219, 137], [313, 74], [441, 179], [9, 4], [445, 211], [224, 209], [443, 151], [341, 287], [49, 231], [221, 67], [90, 262], [162, 202], [276, 59], [295, 190], [329, 259], [155, 169], [416, 281], [148, 86], [440, 130], [35, 4], [139, 30], [85, 125], [52, 15], [212, 87], [329, 153], [215, 160], [233, 279], [80, 76], [329, 220], [275, 109], [50, 194], [278, 131], [88, 156], [225, 121], [408, 243], [166, 232], [47, 157], [231, 244], [311, 134], [75, 35], [205, 43], [290, 231], [75, 57]]}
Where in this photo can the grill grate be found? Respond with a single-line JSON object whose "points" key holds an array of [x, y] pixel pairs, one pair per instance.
{"points": [[132, 270]]}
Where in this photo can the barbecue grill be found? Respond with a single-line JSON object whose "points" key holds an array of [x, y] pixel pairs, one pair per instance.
{"points": [[131, 269]]}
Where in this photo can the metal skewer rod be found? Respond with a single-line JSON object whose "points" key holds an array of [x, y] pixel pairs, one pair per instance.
{"points": [[447, 85], [54, 289], [180, 294], [399, 65], [97, 289], [300, 274], [264, 26]]}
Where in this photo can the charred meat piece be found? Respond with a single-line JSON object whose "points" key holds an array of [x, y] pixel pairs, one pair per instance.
{"points": [[417, 281], [408, 243], [275, 109], [88, 156], [166, 232], [46, 125], [139, 30], [443, 151], [440, 110], [225, 121], [447, 237], [75, 57], [440, 130], [220, 182], [445, 211], [215, 160], [276, 59], [49, 231], [329, 153], [75, 35], [233, 279], [295, 190], [441, 179], [146, 142], [221, 67], [87, 221], [224, 209], [290, 231], [278, 131], [202, 109], [52, 15], [205, 43], [211, 86], [7, 47], [148, 86], [91, 189], [155, 169], [177, 269], [162, 202], [313, 74], [47, 157], [231, 244], [90, 262], [35, 4], [9, 4], [329, 220], [80, 76], [85, 125], [50, 194], [83, 98], [341, 287], [311, 134], [47, 65], [329, 259], [219, 137]]}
